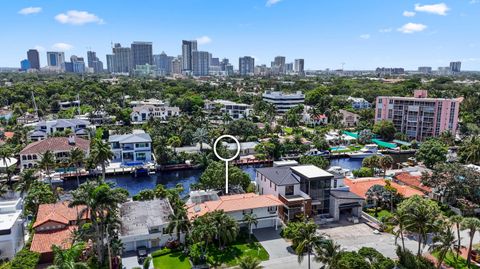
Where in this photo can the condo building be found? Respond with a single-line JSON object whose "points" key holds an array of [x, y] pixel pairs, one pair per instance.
{"points": [[419, 117], [283, 101]]}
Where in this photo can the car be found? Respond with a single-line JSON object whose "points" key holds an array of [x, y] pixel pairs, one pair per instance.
{"points": [[142, 253]]}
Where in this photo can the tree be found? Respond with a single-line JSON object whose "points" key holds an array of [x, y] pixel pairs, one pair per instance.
{"points": [[201, 136], [250, 219], [376, 194], [318, 161], [469, 150], [364, 136], [327, 252], [443, 242], [214, 177], [174, 142], [76, 159], [472, 225], [457, 221], [386, 162], [39, 193], [225, 226], [372, 162], [399, 219], [178, 222], [432, 152], [67, 259], [385, 129], [5, 154], [349, 260], [321, 143], [306, 240], [101, 154], [27, 178], [376, 259], [421, 214], [202, 234], [47, 162], [406, 260], [249, 262], [144, 195]]}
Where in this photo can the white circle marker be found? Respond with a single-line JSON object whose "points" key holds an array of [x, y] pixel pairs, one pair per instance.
{"points": [[226, 160]]}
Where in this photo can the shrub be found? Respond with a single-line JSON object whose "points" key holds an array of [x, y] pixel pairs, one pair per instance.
{"points": [[173, 244], [146, 262], [25, 259], [363, 172], [196, 253], [161, 252]]}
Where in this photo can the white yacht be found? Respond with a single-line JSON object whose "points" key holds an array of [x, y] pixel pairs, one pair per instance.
{"points": [[338, 170], [367, 151]]}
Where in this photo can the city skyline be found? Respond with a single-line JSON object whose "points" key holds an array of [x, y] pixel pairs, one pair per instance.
{"points": [[363, 35]]}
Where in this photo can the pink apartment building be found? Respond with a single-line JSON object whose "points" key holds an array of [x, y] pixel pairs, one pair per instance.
{"points": [[419, 117]]}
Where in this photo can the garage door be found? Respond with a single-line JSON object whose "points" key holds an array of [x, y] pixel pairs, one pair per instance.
{"points": [[128, 246], [264, 224]]}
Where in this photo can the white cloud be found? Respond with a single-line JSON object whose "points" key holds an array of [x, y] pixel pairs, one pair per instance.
{"points": [[76, 17], [385, 30], [272, 2], [204, 40], [30, 10], [409, 13], [474, 2], [39, 48], [365, 36], [438, 9], [411, 28], [62, 46]]}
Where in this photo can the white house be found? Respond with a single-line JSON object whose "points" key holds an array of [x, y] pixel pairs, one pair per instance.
{"points": [[264, 207], [359, 103], [143, 113], [130, 149], [234, 110], [44, 129], [144, 224], [11, 228]]}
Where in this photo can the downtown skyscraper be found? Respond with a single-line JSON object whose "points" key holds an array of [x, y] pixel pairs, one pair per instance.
{"points": [[188, 47], [200, 63], [33, 58], [120, 59], [93, 62], [142, 53], [246, 66], [300, 67]]}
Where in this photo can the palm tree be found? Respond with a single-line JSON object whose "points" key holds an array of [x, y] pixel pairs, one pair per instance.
{"points": [[202, 232], [386, 162], [250, 219], [226, 228], [101, 154], [457, 220], [47, 162], [3, 189], [420, 222], [472, 225], [67, 259], [327, 252], [174, 142], [470, 150], [443, 242], [375, 193], [178, 222], [307, 240], [27, 178], [5, 154], [201, 136], [76, 159], [399, 219], [249, 262]]}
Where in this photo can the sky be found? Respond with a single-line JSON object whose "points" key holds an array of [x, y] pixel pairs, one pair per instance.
{"points": [[361, 34]]}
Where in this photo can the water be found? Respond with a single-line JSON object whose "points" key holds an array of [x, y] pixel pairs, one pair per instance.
{"points": [[347, 163], [338, 148]]}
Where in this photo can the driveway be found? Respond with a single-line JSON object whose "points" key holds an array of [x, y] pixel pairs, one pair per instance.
{"points": [[274, 244], [129, 260]]}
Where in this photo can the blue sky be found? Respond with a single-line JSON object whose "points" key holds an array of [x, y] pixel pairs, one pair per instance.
{"points": [[363, 34]]}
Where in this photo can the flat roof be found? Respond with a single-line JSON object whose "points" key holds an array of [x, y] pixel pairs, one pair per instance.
{"points": [[311, 171], [8, 220], [138, 216]]}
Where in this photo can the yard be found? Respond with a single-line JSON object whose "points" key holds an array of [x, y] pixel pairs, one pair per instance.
{"points": [[172, 260], [382, 213], [234, 252], [450, 260]]}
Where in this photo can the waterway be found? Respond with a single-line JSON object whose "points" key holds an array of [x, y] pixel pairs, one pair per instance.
{"points": [[187, 177]]}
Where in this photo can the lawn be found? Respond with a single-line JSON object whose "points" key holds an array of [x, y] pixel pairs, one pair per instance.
{"points": [[450, 260], [233, 253], [174, 260], [382, 213], [288, 130]]}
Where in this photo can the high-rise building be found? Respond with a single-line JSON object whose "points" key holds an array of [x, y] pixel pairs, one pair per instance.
{"points": [[56, 59], [288, 67], [121, 59], [278, 65], [300, 67], [93, 62], [25, 65], [78, 64], [163, 63], [34, 58], [110, 63], [176, 66], [223, 64], [246, 66], [200, 63], [142, 53], [215, 62], [419, 117], [188, 47], [455, 67], [425, 69], [284, 101]]}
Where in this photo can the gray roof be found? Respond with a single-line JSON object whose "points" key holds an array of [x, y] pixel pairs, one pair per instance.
{"points": [[344, 194], [130, 138], [279, 175], [138, 216]]}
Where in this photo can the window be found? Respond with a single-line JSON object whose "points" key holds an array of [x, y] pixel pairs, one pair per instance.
{"points": [[289, 190], [272, 209]]}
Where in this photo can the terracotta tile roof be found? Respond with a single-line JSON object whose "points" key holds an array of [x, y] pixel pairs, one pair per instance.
{"points": [[42, 241], [233, 203], [55, 144], [59, 212], [360, 186], [412, 180]]}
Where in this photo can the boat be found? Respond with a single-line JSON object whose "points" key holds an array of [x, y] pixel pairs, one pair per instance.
{"points": [[338, 170], [367, 151], [140, 171]]}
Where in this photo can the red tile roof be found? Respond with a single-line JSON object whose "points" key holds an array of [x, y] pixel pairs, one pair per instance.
{"points": [[59, 212], [42, 242], [360, 186], [412, 180], [231, 203], [55, 144]]}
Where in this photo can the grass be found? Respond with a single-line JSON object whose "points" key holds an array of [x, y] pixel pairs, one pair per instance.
{"points": [[288, 130], [348, 149], [174, 260], [234, 252], [382, 213], [451, 261]]}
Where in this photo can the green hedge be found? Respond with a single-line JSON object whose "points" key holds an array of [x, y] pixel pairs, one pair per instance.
{"points": [[25, 259], [161, 252]]}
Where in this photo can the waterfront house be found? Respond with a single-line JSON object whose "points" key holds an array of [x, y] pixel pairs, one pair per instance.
{"points": [[131, 149], [44, 129], [11, 228], [234, 110], [349, 119], [143, 113]]}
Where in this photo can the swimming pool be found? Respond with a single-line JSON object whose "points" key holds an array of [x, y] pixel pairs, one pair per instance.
{"points": [[338, 148]]}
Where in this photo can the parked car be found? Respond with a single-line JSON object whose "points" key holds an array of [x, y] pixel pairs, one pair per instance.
{"points": [[142, 253]]}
